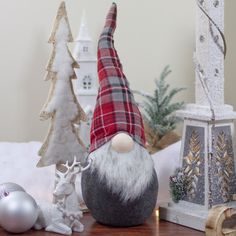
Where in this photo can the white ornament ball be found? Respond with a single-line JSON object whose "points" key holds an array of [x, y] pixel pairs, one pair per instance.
{"points": [[10, 187], [18, 212], [122, 143]]}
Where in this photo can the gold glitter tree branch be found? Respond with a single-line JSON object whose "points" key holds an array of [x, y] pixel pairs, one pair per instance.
{"points": [[192, 164]]}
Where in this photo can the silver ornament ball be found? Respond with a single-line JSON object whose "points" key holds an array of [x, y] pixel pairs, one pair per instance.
{"points": [[10, 187], [18, 212]]}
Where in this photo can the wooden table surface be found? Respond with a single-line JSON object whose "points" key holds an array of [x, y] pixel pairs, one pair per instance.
{"points": [[152, 227]]}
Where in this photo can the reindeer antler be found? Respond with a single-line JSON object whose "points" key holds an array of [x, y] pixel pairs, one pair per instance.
{"points": [[89, 164], [71, 168]]}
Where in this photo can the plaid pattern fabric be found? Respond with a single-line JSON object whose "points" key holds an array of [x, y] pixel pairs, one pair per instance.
{"points": [[115, 111]]}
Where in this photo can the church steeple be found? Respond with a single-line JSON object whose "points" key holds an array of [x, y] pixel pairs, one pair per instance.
{"points": [[83, 31], [84, 46]]}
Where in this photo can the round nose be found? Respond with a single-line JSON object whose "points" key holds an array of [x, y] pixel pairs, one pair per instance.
{"points": [[122, 143]]}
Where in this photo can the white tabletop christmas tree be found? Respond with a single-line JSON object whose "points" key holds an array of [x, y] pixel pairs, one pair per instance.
{"points": [[62, 143]]}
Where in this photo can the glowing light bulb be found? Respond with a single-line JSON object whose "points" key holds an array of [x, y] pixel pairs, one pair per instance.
{"points": [[157, 213]]}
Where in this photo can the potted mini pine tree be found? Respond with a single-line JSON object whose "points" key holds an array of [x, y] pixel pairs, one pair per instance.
{"points": [[159, 113]]}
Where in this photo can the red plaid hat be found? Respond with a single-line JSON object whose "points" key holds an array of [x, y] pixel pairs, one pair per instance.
{"points": [[116, 110]]}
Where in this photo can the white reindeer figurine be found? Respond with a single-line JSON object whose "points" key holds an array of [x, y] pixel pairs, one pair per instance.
{"points": [[65, 215], [51, 219]]}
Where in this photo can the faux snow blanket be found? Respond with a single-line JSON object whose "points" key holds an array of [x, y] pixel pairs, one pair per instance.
{"points": [[18, 165]]}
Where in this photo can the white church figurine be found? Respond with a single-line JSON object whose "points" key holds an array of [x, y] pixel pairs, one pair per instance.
{"points": [[85, 86]]}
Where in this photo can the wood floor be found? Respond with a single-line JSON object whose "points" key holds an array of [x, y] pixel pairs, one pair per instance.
{"points": [[152, 227]]}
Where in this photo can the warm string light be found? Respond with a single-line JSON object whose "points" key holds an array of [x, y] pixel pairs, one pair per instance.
{"points": [[157, 213]]}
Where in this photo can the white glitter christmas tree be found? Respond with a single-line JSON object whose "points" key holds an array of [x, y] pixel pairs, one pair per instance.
{"points": [[62, 143]]}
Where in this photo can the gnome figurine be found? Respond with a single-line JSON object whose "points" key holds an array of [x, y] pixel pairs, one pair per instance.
{"points": [[120, 188]]}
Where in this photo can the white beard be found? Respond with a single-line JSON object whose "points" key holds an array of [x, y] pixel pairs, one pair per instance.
{"points": [[126, 174]]}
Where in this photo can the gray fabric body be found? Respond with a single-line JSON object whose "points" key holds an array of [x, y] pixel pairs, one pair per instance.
{"points": [[107, 208]]}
